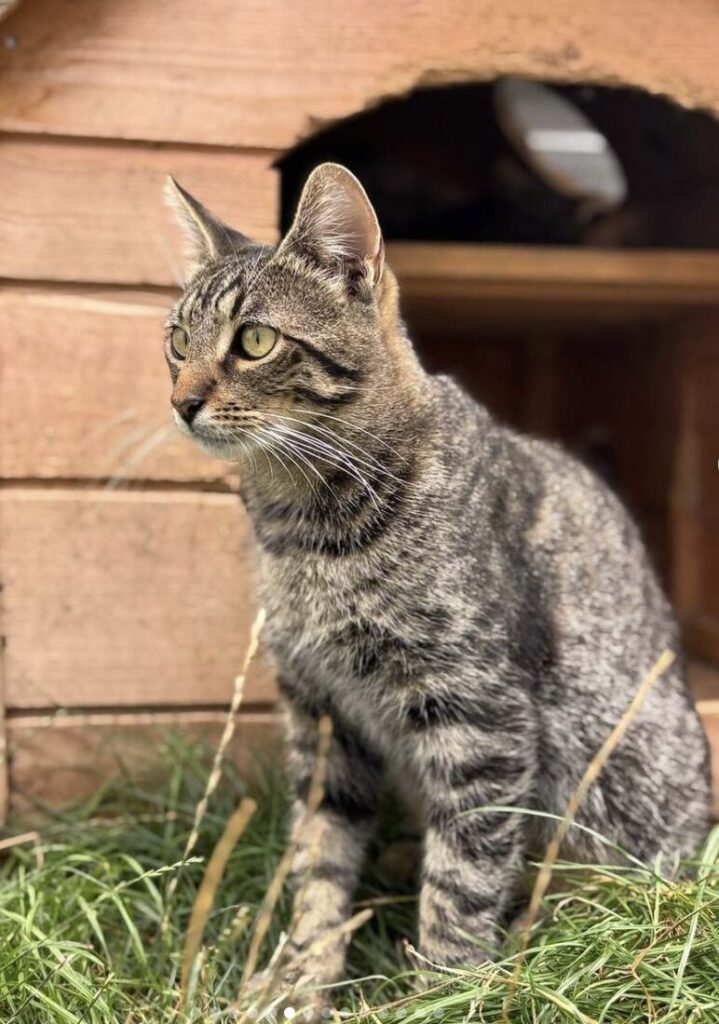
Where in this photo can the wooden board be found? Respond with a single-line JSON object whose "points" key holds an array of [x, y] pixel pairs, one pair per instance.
{"points": [[263, 74], [84, 385], [84, 389], [116, 599], [4, 790], [695, 496], [56, 760], [703, 681], [451, 270], [502, 291], [87, 212], [700, 339], [709, 711]]}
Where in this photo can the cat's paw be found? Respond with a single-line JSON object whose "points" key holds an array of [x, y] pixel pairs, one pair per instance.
{"points": [[272, 996]]}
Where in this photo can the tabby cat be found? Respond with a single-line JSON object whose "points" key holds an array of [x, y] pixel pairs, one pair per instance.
{"points": [[471, 607]]}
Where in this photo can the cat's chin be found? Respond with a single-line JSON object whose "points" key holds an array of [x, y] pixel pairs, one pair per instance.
{"points": [[211, 444], [228, 451]]}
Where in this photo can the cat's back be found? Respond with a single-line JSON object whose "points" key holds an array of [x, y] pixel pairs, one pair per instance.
{"points": [[518, 491], [575, 546]]}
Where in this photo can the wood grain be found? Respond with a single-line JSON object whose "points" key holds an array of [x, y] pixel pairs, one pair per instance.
{"points": [[264, 74], [498, 291], [695, 494], [84, 375], [84, 385], [4, 782], [54, 761], [95, 213], [709, 711], [703, 680], [115, 599], [556, 273], [57, 760]]}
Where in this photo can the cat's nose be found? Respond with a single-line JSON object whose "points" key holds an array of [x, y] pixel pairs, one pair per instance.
{"points": [[189, 407]]}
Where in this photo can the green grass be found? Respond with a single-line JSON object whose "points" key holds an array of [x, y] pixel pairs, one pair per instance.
{"points": [[80, 935]]}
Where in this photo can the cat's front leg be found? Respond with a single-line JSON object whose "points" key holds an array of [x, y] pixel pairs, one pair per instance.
{"points": [[329, 846], [472, 857]]}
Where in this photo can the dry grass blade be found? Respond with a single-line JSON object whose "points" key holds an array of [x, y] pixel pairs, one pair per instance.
{"points": [[346, 928], [314, 799], [293, 967], [595, 766], [216, 772], [206, 893], [24, 837]]}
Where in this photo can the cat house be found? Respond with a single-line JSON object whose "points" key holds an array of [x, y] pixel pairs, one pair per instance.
{"points": [[127, 566]]}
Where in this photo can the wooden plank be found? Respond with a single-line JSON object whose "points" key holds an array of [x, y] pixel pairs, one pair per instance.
{"points": [[504, 291], [695, 495], [263, 74], [703, 679], [704, 367], [56, 343], [117, 599], [6, 6], [57, 760], [71, 212], [532, 273], [84, 388], [4, 791], [709, 711]]}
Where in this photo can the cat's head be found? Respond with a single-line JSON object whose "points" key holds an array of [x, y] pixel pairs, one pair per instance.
{"points": [[266, 340]]}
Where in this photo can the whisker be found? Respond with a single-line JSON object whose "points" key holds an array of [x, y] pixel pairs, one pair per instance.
{"points": [[268, 449], [108, 425], [375, 463], [129, 439], [353, 426], [331, 457], [157, 438], [290, 451]]}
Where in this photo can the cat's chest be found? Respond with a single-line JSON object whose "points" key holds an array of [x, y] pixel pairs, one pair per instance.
{"points": [[314, 608], [356, 637]]}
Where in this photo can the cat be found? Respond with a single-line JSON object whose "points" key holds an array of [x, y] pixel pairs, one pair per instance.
{"points": [[471, 607]]}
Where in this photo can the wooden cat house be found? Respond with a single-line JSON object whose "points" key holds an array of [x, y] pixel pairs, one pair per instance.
{"points": [[125, 560]]}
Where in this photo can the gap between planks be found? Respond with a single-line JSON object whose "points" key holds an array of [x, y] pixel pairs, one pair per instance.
{"points": [[184, 715], [83, 485], [30, 138], [172, 494]]}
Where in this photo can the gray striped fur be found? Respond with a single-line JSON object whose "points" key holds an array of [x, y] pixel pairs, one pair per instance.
{"points": [[472, 607]]}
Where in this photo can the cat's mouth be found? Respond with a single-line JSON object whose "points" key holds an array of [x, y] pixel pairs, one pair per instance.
{"points": [[231, 443]]}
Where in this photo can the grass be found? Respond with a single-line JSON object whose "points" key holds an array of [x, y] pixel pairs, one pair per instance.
{"points": [[81, 937]]}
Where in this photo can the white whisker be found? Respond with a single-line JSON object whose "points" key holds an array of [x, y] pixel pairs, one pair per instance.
{"points": [[326, 454], [157, 438], [327, 432]]}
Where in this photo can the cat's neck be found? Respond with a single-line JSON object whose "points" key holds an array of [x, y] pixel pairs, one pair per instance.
{"points": [[340, 488]]}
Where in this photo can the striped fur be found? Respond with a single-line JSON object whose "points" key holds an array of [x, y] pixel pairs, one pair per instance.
{"points": [[473, 608]]}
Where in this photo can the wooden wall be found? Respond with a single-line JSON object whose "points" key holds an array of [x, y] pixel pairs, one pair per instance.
{"points": [[127, 572]]}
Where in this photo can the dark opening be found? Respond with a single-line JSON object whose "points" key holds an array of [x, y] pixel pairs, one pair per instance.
{"points": [[440, 164]]}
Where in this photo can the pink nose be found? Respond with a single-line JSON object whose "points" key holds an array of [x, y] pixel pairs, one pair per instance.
{"points": [[189, 407]]}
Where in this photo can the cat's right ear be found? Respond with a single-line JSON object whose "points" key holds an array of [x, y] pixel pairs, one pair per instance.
{"points": [[336, 226], [206, 237]]}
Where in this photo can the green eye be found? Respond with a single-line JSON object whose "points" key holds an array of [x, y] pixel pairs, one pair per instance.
{"points": [[179, 342], [257, 342]]}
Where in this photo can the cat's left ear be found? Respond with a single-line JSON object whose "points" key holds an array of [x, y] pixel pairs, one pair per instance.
{"points": [[206, 237], [336, 226]]}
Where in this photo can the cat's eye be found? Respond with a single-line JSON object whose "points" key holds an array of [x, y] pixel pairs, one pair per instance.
{"points": [[256, 341], [179, 342]]}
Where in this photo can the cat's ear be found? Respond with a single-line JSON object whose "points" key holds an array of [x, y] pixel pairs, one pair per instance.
{"points": [[206, 237], [336, 226]]}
